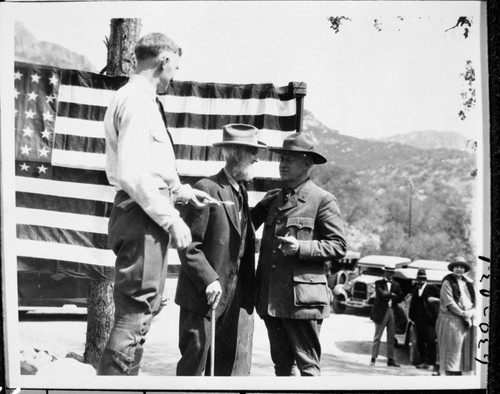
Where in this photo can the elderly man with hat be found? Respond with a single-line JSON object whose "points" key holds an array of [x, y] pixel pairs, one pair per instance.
{"points": [[423, 314], [302, 229], [218, 266], [456, 310], [387, 296]]}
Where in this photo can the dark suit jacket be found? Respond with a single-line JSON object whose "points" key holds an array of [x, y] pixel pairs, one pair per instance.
{"points": [[213, 252], [295, 287], [421, 311], [384, 293]]}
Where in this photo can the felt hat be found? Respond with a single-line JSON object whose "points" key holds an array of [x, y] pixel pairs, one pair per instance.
{"points": [[300, 143], [421, 274], [459, 261], [389, 268], [240, 134]]}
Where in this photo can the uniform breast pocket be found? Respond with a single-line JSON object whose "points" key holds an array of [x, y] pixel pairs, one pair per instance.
{"points": [[310, 289], [300, 227]]}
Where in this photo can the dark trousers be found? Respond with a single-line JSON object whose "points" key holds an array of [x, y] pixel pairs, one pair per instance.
{"points": [[426, 343], [141, 249], [294, 342], [233, 342]]}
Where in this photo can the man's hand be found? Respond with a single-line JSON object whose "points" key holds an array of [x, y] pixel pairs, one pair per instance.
{"points": [[289, 245], [213, 292], [180, 233], [201, 199]]}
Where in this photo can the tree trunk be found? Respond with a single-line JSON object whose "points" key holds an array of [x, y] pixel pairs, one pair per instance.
{"points": [[100, 307], [124, 35]]}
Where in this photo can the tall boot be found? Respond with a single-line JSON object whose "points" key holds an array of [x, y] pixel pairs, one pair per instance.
{"points": [[115, 363]]}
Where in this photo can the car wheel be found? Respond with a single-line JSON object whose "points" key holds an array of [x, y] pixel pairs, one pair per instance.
{"points": [[337, 305]]}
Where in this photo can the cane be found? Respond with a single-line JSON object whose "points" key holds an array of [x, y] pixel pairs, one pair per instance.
{"points": [[212, 346]]}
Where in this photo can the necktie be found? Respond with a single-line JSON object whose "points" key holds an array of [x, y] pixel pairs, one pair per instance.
{"points": [[164, 117], [241, 195], [287, 192]]}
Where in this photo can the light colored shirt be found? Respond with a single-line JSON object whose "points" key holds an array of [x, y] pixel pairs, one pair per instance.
{"points": [[421, 289], [140, 158]]}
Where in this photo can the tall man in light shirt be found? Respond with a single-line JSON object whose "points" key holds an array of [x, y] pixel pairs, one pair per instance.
{"points": [[144, 222]]}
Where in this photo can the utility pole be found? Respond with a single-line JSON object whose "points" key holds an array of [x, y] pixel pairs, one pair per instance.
{"points": [[100, 306], [410, 182]]}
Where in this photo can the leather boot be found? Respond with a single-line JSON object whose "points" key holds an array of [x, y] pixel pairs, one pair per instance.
{"points": [[114, 363]]}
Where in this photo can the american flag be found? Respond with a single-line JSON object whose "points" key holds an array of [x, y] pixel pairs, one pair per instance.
{"points": [[63, 198]]}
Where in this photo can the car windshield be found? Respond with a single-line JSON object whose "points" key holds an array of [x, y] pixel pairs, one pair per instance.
{"points": [[372, 271]]}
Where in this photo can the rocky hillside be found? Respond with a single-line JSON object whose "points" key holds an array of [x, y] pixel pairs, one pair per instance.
{"points": [[27, 48], [430, 139]]}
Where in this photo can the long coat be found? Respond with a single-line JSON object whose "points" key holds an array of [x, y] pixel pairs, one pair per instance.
{"points": [[295, 287], [384, 294], [213, 252], [421, 311]]}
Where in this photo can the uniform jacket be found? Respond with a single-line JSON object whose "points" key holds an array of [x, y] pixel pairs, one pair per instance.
{"points": [[295, 286], [421, 310], [385, 291], [213, 252]]}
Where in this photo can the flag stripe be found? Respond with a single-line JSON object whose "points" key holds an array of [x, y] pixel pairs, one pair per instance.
{"points": [[62, 236], [60, 175], [55, 251], [65, 220], [60, 204]]}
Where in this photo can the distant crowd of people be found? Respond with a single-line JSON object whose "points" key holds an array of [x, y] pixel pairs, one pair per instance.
{"points": [[218, 287]]}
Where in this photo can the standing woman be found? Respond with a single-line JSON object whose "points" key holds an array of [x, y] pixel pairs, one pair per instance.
{"points": [[457, 302]]}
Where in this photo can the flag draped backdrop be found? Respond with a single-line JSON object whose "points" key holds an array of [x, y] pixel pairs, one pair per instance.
{"points": [[63, 198]]}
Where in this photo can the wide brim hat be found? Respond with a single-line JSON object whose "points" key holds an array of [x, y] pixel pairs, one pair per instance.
{"points": [[240, 134], [300, 143], [459, 261]]}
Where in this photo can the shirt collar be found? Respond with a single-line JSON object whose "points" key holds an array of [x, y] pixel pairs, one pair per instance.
{"points": [[298, 187], [142, 81], [232, 181]]}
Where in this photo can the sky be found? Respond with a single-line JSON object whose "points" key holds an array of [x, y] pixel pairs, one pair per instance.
{"points": [[361, 81]]}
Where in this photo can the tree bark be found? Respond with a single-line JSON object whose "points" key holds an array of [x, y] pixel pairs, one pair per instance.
{"points": [[100, 307], [124, 34]]}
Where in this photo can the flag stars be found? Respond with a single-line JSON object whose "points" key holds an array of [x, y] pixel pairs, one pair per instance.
{"points": [[32, 96], [48, 117], [16, 93], [24, 167], [46, 134], [25, 150], [35, 78], [50, 98], [42, 169], [17, 75], [29, 114], [43, 152], [28, 131], [54, 80]]}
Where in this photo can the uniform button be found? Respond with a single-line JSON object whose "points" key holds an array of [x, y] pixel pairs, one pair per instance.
{"points": [[273, 266], [299, 225], [311, 279], [274, 251]]}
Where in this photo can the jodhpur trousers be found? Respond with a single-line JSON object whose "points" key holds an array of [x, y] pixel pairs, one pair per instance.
{"points": [[141, 248], [294, 342]]}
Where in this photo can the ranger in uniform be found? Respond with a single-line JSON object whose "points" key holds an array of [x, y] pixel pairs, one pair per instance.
{"points": [[303, 228]]}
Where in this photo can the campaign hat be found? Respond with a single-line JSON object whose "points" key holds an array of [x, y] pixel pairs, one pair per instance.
{"points": [[300, 143]]}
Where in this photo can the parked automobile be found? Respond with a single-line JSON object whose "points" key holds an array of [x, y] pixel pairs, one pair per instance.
{"points": [[359, 290]]}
